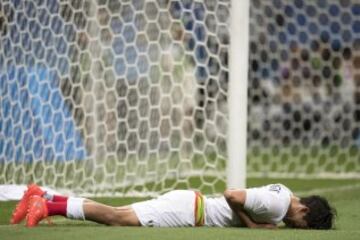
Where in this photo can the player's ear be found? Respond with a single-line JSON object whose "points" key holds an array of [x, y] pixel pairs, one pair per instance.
{"points": [[304, 209]]}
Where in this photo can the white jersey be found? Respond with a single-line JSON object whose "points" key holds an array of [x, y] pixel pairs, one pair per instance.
{"points": [[219, 214], [268, 204]]}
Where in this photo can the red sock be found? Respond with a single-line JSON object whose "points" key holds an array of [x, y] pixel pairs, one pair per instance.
{"points": [[56, 208], [58, 198]]}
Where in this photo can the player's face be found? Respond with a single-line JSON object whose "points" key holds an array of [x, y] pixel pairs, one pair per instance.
{"points": [[295, 223], [295, 219]]}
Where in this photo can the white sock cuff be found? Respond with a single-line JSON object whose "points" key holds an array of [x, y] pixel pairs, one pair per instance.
{"points": [[74, 209]]}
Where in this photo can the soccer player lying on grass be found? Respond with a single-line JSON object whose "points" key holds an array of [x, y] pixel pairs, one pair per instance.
{"points": [[262, 207]]}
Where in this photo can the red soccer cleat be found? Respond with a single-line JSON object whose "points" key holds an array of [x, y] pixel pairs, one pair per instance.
{"points": [[21, 208], [37, 211]]}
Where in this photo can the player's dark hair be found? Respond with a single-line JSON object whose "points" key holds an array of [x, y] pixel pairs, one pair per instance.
{"points": [[321, 215]]}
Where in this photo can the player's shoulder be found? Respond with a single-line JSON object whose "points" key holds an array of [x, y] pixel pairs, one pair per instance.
{"points": [[269, 192], [272, 199], [277, 188]]}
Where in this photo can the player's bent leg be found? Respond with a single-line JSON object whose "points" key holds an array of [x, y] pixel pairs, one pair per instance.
{"points": [[114, 216]]}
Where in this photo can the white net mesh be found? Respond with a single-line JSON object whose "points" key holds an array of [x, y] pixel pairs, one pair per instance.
{"points": [[304, 88], [114, 96]]}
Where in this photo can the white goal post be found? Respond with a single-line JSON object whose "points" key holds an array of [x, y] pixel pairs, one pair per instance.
{"points": [[238, 63]]}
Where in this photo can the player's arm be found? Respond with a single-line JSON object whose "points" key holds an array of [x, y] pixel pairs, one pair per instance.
{"points": [[236, 200]]}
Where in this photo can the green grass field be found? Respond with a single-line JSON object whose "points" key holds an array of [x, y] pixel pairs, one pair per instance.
{"points": [[343, 194]]}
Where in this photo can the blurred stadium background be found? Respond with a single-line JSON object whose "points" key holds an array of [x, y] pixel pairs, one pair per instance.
{"points": [[113, 97]]}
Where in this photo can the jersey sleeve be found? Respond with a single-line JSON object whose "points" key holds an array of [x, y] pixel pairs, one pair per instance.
{"points": [[255, 201], [267, 204]]}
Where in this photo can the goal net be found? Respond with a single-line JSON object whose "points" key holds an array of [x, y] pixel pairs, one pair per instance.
{"points": [[304, 88], [124, 97], [106, 97]]}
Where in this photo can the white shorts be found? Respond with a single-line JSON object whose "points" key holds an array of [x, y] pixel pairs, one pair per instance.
{"points": [[173, 209]]}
